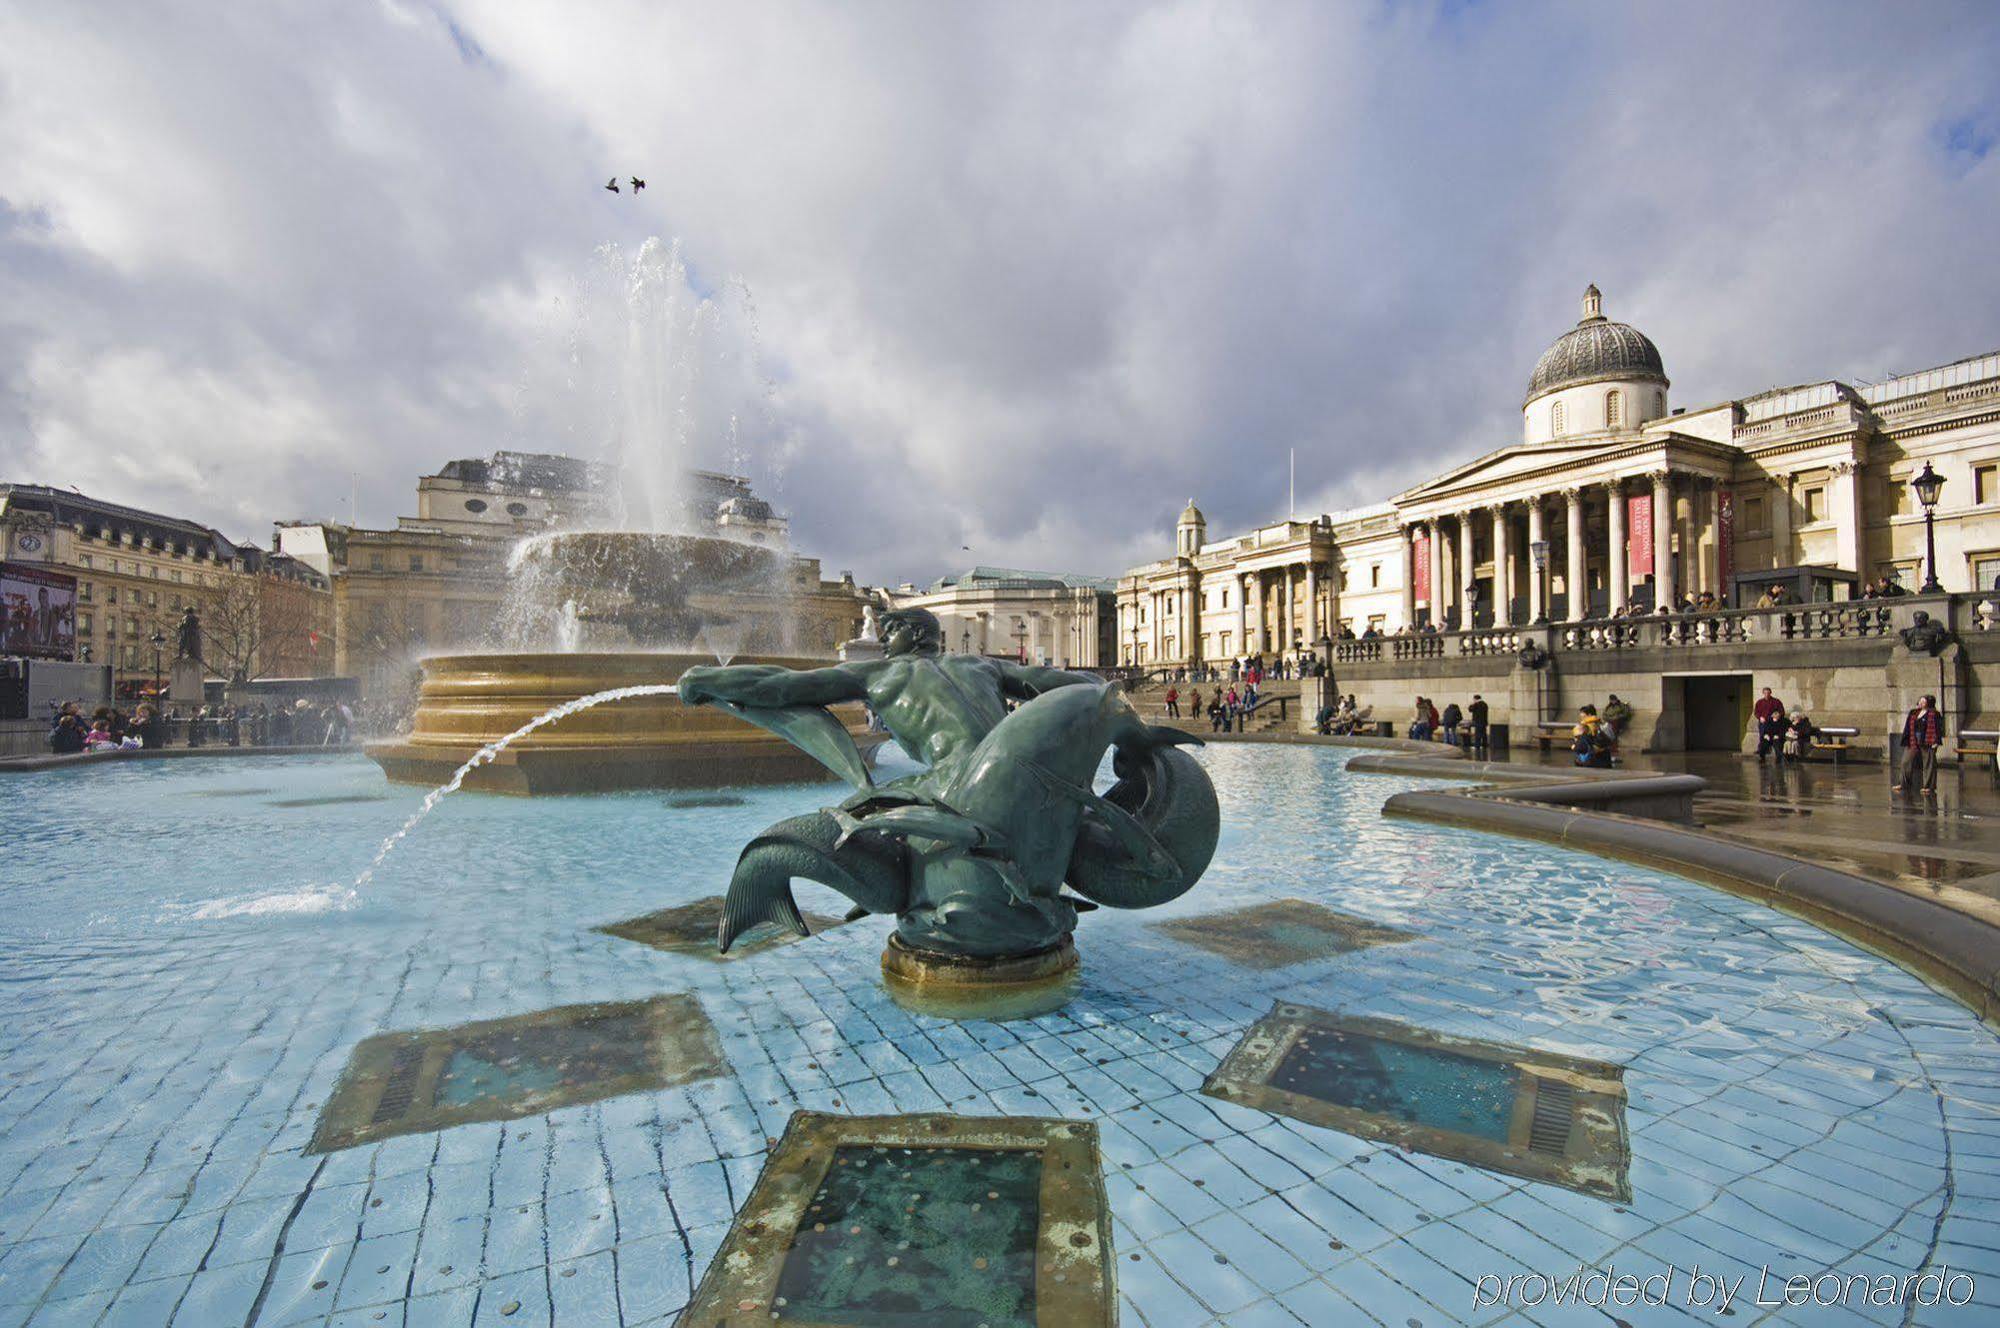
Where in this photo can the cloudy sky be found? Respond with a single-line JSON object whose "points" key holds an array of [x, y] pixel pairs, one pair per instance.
{"points": [[1018, 277]]}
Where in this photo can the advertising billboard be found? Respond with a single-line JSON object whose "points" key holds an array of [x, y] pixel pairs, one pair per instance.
{"points": [[37, 612]]}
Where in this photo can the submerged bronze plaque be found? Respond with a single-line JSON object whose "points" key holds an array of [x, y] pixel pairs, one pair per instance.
{"points": [[690, 929], [1282, 932], [928, 1221], [1527, 1113], [503, 1069]]}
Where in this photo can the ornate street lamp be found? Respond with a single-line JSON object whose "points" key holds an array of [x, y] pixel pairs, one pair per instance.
{"points": [[1539, 551], [965, 642], [159, 639], [1928, 485]]}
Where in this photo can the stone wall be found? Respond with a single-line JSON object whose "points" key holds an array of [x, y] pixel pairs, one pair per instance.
{"points": [[1846, 665]]}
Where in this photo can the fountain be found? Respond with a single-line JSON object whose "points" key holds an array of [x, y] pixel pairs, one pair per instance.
{"points": [[690, 579]]}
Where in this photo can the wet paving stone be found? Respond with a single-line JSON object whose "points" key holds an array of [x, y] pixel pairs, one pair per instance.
{"points": [[503, 1069], [1528, 1113], [891, 1221], [690, 929], [1281, 933]]}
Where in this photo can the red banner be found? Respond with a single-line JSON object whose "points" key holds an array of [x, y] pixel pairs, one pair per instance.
{"points": [[1420, 560], [1639, 534], [1725, 537]]}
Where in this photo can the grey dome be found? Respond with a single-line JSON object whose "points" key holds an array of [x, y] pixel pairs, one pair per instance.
{"points": [[1594, 351]]}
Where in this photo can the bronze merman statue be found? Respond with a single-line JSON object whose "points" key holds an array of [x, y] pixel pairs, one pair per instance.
{"points": [[971, 853]]}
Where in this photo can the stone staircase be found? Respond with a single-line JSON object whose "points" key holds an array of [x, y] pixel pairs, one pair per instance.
{"points": [[1150, 700]]}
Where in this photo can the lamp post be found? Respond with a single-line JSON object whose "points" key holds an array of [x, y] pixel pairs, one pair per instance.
{"points": [[159, 639], [1539, 551], [965, 642], [1928, 485]]}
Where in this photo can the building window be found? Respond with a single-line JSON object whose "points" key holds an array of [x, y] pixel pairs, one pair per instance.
{"points": [[475, 505], [1659, 404], [1614, 409], [1375, 576], [1556, 419], [83, 560], [1815, 504], [1754, 515], [1985, 484], [374, 562], [416, 562], [1985, 571], [83, 624], [517, 509]]}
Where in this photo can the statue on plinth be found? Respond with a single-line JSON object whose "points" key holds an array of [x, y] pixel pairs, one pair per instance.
{"points": [[188, 635], [971, 853]]}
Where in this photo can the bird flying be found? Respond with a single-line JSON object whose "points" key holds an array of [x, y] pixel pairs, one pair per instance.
{"points": [[637, 184], [612, 184]]}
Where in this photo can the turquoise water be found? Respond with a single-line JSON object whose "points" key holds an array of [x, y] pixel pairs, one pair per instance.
{"points": [[184, 973]]}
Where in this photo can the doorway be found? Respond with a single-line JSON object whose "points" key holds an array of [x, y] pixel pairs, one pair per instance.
{"points": [[1717, 710]]}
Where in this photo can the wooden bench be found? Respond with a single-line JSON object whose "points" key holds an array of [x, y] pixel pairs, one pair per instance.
{"points": [[1833, 739], [1548, 732], [1980, 742]]}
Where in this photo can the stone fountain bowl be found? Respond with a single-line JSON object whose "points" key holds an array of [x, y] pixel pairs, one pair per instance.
{"points": [[467, 701], [648, 566]]}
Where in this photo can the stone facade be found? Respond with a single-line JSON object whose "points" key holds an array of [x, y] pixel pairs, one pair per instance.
{"points": [[1612, 502], [1057, 618], [264, 614]]}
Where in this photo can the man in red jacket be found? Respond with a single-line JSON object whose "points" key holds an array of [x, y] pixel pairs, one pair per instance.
{"points": [[1923, 734]]}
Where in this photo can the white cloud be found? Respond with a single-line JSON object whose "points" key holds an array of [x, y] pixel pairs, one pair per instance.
{"points": [[1025, 275]]}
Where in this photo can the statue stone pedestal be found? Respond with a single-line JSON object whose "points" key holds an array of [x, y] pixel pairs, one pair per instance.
{"points": [[185, 685], [861, 647]]}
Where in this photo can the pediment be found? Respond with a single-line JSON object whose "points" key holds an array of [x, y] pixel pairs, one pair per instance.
{"points": [[1510, 463]]}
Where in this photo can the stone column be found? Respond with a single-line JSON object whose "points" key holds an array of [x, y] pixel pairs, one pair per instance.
{"points": [[1159, 602], [1577, 575], [1620, 565], [1258, 627], [1687, 579], [1538, 577], [1462, 573], [1333, 596], [1706, 566], [1663, 540], [1843, 495], [1438, 596], [1781, 521], [1312, 603], [1286, 611], [1503, 560], [1242, 613], [1410, 575]]}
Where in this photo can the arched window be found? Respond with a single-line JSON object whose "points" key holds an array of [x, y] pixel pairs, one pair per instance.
{"points": [[1614, 409], [1659, 404], [1556, 420]]}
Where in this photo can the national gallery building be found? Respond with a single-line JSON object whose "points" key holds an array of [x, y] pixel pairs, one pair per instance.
{"points": [[1612, 500]]}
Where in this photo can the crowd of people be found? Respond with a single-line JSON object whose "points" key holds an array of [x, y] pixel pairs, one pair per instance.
{"points": [[1283, 666], [110, 728]]}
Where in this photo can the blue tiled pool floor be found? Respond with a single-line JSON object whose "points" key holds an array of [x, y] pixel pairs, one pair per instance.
{"points": [[183, 979]]}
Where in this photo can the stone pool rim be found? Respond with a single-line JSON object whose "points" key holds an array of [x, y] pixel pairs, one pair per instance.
{"points": [[1954, 952]]}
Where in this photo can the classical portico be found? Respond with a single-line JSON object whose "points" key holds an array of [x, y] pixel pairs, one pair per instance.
{"points": [[1474, 534], [1609, 502]]}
